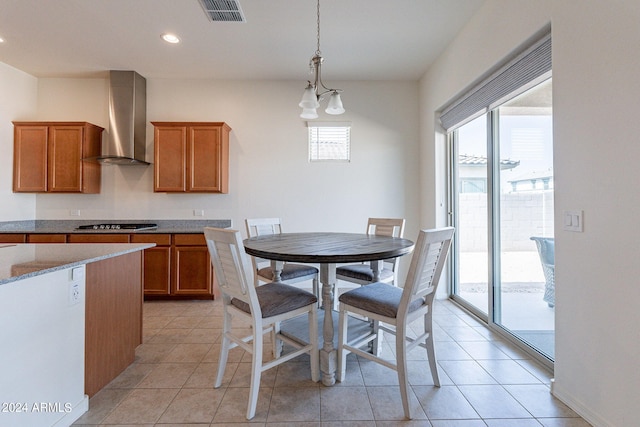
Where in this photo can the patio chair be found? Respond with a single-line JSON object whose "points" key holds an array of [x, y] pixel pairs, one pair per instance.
{"points": [[546, 250]]}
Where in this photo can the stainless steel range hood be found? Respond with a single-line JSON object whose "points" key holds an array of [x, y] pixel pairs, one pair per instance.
{"points": [[126, 144]]}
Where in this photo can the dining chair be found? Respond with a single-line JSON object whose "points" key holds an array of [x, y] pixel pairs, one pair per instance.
{"points": [[362, 274], [393, 309], [263, 306], [291, 273]]}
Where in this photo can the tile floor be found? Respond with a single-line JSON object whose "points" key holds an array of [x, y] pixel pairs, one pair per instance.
{"points": [[485, 381]]}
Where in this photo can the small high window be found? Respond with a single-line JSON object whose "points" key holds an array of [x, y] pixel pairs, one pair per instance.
{"points": [[329, 141]]}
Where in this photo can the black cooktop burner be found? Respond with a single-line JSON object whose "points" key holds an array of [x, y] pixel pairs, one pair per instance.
{"points": [[118, 227]]}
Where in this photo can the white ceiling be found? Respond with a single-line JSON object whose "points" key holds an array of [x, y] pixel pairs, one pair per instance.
{"points": [[360, 39]]}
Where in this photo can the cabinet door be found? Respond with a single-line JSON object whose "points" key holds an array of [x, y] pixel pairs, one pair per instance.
{"points": [[192, 271], [98, 238], [170, 158], [65, 158], [157, 271], [157, 263], [13, 238], [205, 153], [47, 238], [30, 158]]}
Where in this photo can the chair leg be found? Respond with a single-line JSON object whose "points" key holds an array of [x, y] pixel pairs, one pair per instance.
{"points": [[256, 372], [316, 290], [224, 349], [401, 364], [313, 340], [277, 344], [431, 350], [376, 345], [342, 339]]}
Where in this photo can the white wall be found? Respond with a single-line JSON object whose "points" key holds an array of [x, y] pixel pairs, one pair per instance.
{"points": [[269, 171], [18, 93], [595, 97]]}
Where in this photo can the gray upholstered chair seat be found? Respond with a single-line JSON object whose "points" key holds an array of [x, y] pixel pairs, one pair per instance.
{"points": [[289, 272], [379, 298], [362, 272], [278, 298]]}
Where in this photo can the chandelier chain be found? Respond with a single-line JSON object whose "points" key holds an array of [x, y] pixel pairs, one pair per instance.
{"points": [[318, 27]]}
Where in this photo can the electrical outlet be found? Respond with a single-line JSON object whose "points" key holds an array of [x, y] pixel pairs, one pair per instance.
{"points": [[74, 293], [198, 212], [74, 212]]}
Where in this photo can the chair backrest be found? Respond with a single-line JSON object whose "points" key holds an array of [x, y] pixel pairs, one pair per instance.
{"points": [[427, 262], [262, 227], [393, 227], [546, 249], [231, 267], [386, 226]]}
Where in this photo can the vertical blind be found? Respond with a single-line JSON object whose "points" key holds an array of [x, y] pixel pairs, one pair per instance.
{"points": [[531, 63]]}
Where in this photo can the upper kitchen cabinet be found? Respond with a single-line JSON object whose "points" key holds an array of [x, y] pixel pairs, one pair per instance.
{"points": [[48, 157], [191, 157]]}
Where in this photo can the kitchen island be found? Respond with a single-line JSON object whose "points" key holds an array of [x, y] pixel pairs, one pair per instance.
{"points": [[72, 318]]}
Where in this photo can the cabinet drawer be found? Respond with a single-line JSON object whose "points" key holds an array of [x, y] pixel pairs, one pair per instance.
{"points": [[98, 238], [189, 240], [158, 239], [47, 238], [12, 238]]}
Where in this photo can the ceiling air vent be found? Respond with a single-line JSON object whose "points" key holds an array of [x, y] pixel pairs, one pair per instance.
{"points": [[223, 10]]}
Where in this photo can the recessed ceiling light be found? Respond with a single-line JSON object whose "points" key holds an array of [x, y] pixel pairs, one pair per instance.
{"points": [[1, 40], [170, 38]]}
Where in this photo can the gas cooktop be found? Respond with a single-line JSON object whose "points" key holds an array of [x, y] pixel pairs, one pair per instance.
{"points": [[102, 227]]}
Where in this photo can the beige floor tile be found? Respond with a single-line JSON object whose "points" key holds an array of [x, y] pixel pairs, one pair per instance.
{"points": [[153, 352], [563, 422], [538, 400], [131, 376], [141, 406], [493, 401], [297, 404], [182, 353], [528, 422], [204, 376], [345, 403], [242, 376], [508, 372], [182, 322], [466, 372], [233, 407], [170, 335], [387, 404], [195, 405], [446, 402], [203, 336], [101, 404], [294, 374], [168, 375]]}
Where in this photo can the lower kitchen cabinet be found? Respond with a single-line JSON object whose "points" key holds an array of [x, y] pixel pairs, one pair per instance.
{"points": [[178, 267], [157, 263], [192, 274]]}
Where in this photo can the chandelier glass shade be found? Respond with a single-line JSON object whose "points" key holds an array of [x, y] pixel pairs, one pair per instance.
{"points": [[315, 90]]}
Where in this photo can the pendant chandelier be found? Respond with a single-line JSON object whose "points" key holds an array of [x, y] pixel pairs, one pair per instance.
{"points": [[314, 92]]}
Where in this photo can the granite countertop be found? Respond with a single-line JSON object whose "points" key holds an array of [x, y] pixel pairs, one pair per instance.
{"points": [[22, 261], [70, 226]]}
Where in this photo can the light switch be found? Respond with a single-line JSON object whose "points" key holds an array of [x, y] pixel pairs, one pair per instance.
{"points": [[573, 221]]}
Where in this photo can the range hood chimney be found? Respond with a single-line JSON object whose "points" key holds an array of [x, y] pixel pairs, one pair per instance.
{"points": [[127, 119]]}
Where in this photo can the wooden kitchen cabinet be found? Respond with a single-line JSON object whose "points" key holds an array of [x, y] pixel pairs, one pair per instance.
{"points": [[192, 272], [48, 157], [191, 157], [157, 263]]}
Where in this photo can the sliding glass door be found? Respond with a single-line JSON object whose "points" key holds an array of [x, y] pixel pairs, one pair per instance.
{"points": [[502, 206]]}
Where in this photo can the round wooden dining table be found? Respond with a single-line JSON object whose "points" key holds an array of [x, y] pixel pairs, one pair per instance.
{"points": [[327, 249]]}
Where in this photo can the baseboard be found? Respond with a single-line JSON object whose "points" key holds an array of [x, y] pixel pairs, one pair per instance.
{"points": [[591, 417], [74, 414]]}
